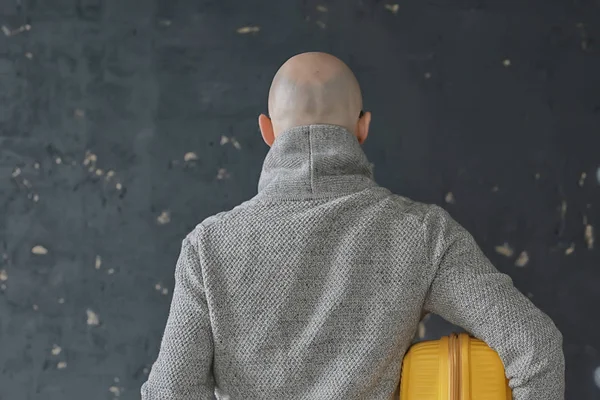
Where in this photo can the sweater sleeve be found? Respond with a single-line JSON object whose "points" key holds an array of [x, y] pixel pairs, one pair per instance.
{"points": [[468, 291], [183, 370]]}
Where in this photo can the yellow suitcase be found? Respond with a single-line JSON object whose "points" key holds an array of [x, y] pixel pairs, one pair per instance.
{"points": [[456, 367]]}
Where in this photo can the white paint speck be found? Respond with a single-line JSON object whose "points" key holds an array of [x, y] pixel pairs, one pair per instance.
{"points": [[165, 291], [90, 158], [157, 287], [3, 275], [393, 8], [236, 144], [224, 140], [119, 186], [589, 236], [55, 350], [8, 32], [99, 172], [29, 55], [244, 30], [39, 250], [164, 218], [35, 307], [582, 179], [110, 271], [570, 250], [92, 318], [450, 198], [98, 262], [36, 197], [522, 260], [190, 156], [61, 365], [114, 390], [16, 172], [58, 160], [61, 300], [505, 250], [506, 62], [222, 174], [36, 165], [321, 8]]}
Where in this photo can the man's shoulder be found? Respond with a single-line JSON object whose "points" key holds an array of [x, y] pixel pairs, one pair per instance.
{"points": [[415, 209], [399, 206], [214, 220]]}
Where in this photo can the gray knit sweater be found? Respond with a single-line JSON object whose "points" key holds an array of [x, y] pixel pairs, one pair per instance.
{"points": [[313, 289]]}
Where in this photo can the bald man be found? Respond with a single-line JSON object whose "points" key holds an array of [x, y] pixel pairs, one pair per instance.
{"points": [[314, 288]]}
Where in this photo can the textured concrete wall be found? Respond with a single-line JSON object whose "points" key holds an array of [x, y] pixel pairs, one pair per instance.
{"points": [[123, 123]]}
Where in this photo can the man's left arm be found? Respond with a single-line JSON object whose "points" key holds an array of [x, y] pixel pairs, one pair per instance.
{"points": [[468, 291], [183, 370]]}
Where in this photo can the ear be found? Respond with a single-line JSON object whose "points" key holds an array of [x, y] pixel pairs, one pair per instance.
{"points": [[362, 127], [266, 129]]}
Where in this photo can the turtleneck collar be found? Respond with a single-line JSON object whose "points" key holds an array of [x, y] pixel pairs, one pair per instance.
{"points": [[315, 161]]}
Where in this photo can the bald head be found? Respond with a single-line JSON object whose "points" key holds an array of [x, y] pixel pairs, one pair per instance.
{"points": [[314, 88]]}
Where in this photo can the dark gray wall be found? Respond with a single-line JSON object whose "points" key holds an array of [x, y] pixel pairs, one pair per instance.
{"points": [[138, 84]]}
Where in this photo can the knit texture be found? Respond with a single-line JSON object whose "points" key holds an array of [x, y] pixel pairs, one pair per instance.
{"points": [[314, 288]]}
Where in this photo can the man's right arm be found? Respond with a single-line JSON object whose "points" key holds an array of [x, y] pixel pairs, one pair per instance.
{"points": [[468, 291]]}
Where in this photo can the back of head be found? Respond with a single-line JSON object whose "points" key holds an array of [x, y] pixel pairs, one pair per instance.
{"points": [[314, 88]]}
